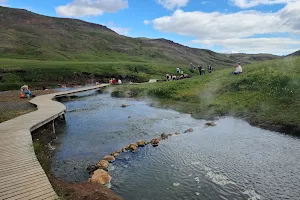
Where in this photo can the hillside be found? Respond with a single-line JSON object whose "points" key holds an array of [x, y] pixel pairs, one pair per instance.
{"points": [[28, 35], [266, 94], [297, 53]]}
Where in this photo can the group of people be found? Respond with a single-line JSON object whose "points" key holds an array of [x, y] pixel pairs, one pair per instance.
{"points": [[113, 81], [174, 77], [201, 69]]}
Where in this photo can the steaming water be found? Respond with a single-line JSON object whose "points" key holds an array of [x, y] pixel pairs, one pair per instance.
{"points": [[230, 161]]}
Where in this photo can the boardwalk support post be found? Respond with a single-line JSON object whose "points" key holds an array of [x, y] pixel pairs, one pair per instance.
{"points": [[53, 126]]}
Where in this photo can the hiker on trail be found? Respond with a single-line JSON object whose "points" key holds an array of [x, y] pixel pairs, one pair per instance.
{"points": [[210, 69], [200, 70], [119, 81], [178, 70], [238, 69]]}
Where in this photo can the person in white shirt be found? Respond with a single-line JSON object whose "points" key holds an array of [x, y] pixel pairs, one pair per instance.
{"points": [[178, 70], [238, 69], [119, 82]]}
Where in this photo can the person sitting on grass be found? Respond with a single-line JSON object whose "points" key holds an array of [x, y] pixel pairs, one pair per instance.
{"points": [[167, 77], [238, 69], [25, 92]]}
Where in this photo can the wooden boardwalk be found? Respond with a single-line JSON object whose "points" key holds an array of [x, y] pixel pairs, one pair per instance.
{"points": [[21, 175]]}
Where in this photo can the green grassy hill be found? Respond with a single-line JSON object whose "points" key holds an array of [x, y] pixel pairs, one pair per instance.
{"points": [[40, 50], [28, 35], [266, 94]]}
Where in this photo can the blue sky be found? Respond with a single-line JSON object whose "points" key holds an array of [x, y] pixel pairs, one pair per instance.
{"points": [[247, 26]]}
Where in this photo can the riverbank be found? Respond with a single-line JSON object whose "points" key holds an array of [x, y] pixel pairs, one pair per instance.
{"points": [[11, 105], [266, 95], [37, 73], [44, 142]]}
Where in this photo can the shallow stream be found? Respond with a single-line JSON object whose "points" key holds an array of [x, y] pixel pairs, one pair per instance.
{"points": [[230, 161]]}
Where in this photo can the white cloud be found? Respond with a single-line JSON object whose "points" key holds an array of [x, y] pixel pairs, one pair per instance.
{"points": [[79, 8], [253, 3], [119, 30], [146, 22], [232, 29], [172, 4], [278, 46]]}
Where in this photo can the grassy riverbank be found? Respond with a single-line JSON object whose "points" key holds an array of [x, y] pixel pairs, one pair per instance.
{"points": [[266, 92], [37, 73]]}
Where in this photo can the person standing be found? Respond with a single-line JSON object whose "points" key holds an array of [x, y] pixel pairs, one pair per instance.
{"points": [[200, 70], [178, 70], [209, 69]]}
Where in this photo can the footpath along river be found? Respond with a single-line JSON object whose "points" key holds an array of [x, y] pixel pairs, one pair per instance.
{"points": [[232, 160]]}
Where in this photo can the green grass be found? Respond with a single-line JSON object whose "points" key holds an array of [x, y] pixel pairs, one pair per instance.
{"points": [[15, 72], [267, 91]]}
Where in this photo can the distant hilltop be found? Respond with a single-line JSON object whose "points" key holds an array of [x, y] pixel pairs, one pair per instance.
{"points": [[29, 35]]}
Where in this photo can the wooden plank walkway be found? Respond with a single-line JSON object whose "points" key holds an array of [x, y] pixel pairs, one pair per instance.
{"points": [[21, 175]]}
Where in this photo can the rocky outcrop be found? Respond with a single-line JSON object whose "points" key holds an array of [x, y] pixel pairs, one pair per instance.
{"points": [[189, 130], [100, 176], [141, 143], [109, 158], [102, 164]]}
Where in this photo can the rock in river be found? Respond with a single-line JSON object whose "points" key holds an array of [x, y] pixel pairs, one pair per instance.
{"points": [[177, 133], [155, 142], [189, 130], [91, 168], [102, 164], [109, 158], [210, 124], [100, 176], [164, 136], [140, 143], [124, 105], [133, 147], [115, 154]]}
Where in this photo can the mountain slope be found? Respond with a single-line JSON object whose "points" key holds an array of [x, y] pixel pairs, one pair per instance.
{"points": [[29, 35], [297, 53]]}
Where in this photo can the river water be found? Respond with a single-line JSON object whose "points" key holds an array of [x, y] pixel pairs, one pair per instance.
{"points": [[230, 161]]}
